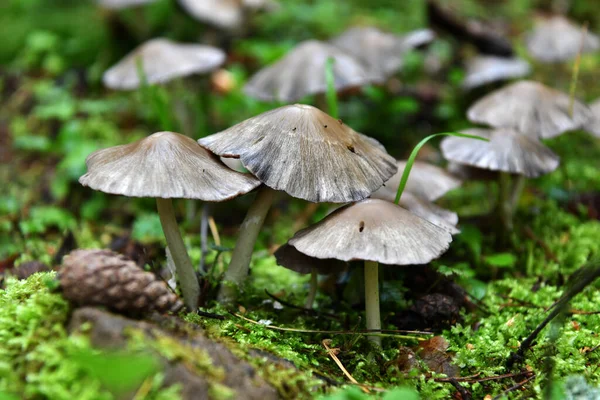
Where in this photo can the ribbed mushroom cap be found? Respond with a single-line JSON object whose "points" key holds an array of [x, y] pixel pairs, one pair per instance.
{"points": [[162, 60], [381, 52], [308, 154], [373, 230], [287, 256], [531, 108], [482, 70], [301, 72], [166, 165], [121, 4], [425, 180], [425, 209], [507, 151], [557, 39], [593, 125]]}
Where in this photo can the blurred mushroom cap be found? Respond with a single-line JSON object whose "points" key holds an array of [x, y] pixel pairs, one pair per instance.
{"points": [[482, 70], [556, 39], [306, 153], [507, 150], [425, 209], [593, 125], [373, 230], [121, 4], [166, 165], [225, 14], [531, 108], [425, 181], [287, 256], [162, 60], [301, 72], [381, 52]]}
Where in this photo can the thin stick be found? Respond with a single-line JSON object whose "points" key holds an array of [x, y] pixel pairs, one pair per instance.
{"points": [[549, 253], [333, 354], [575, 76], [359, 332], [515, 387], [301, 308], [475, 379]]}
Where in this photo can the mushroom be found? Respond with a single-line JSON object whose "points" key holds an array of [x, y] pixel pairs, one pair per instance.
{"points": [[556, 39], [224, 14], [304, 152], [593, 125], [302, 72], [531, 108], [381, 52], [167, 165], [426, 183], [161, 61], [482, 70], [287, 256], [507, 151], [374, 231]]}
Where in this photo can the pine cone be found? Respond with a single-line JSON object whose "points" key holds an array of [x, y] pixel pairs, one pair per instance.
{"points": [[103, 277]]}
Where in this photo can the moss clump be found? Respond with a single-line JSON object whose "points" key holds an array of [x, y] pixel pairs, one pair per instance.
{"points": [[515, 310], [37, 355]]}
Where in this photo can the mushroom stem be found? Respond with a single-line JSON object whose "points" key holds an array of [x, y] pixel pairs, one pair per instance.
{"points": [[372, 299], [204, 237], [242, 254], [185, 271], [313, 289], [504, 203], [517, 190]]}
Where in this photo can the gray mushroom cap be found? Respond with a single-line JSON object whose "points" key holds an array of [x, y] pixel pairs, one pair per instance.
{"points": [[162, 60], [122, 4], [469, 173], [593, 125], [224, 14], [507, 150], [165, 165], [287, 256], [425, 209], [301, 72], [425, 180], [306, 153], [373, 230], [481, 70], [381, 52], [556, 39], [531, 108]]}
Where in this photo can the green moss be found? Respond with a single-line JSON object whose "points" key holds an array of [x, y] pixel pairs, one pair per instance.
{"points": [[36, 352]]}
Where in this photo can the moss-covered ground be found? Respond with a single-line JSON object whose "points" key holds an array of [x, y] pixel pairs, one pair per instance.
{"points": [[54, 112]]}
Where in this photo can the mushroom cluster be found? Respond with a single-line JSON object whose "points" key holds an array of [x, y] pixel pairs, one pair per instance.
{"points": [[520, 116]]}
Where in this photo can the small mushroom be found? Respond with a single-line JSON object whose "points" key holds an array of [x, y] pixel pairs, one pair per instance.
{"points": [[531, 108], [482, 70], [224, 14], [304, 152], [162, 60], [287, 256], [302, 72], [507, 151], [556, 39], [374, 231], [426, 181], [167, 165], [593, 125], [381, 52]]}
